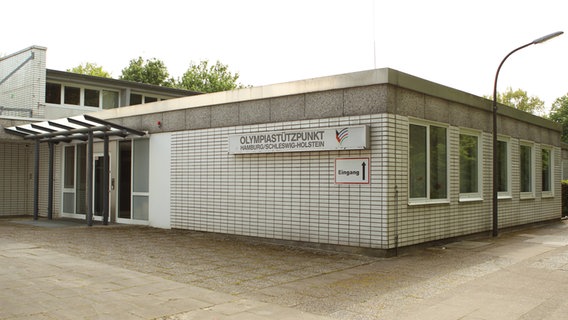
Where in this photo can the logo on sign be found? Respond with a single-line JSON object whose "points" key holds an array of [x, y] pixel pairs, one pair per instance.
{"points": [[341, 135]]}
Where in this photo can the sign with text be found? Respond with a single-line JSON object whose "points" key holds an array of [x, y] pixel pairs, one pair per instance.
{"points": [[352, 171], [318, 139]]}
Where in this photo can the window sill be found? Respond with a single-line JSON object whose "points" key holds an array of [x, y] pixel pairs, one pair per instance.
{"points": [[470, 199], [422, 202], [547, 195], [505, 197], [71, 106], [527, 196]]}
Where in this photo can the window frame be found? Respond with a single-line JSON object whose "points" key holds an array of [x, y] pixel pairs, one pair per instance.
{"points": [[428, 199], [56, 96], [478, 195], [69, 170], [547, 193], [506, 194], [82, 89], [84, 97], [103, 91], [66, 95], [144, 97], [532, 170]]}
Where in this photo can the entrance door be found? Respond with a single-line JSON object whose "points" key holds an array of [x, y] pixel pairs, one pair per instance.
{"points": [[124, 179], [98, 190]]}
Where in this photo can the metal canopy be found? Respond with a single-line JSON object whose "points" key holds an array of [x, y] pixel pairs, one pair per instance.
{"points": [[81, 129], [72, 129]]}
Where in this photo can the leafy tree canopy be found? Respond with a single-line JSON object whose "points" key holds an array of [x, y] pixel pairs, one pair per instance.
{"points": [[91, 69], [559, 114], [519, 99], [207, 78], [150, 71]]}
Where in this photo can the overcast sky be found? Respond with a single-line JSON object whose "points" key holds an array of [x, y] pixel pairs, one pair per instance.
{"points": [[455, 43]]}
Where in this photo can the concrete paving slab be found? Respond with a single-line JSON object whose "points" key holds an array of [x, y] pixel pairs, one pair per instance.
{"points": [[133, 272]]}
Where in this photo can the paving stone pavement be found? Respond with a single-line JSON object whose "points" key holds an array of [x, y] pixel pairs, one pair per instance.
{"points": [[65, 270]]}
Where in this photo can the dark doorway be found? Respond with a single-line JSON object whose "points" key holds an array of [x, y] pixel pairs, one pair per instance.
{"points": [[124, 179]]}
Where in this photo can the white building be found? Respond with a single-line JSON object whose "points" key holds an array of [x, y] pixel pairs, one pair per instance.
{"points": [[274, 162], [31, 93]]}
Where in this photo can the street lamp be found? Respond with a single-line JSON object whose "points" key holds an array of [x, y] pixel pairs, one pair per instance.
{"points": [[495, 149]]}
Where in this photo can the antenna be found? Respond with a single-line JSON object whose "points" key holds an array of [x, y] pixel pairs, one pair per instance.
{"points": [[374, 37]]}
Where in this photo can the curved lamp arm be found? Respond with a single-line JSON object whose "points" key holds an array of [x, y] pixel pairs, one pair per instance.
{"points": [[495, 230]]}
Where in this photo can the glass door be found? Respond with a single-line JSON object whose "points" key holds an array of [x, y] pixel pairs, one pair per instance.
{"points": [[69, 179], [98, 190]]}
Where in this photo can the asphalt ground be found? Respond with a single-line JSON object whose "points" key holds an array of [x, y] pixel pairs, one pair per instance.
{"points": [[64, 269]]}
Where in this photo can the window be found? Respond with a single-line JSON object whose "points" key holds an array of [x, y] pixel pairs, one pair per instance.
{"points": [[428, 162], [73, 95], [150, 99], [110, 99], [140, 178], [92, 98], [503, 166], [135, 99], [526, 163], [53, 93], [469, 166], [69, 173], [546, 170], [69, 179]]}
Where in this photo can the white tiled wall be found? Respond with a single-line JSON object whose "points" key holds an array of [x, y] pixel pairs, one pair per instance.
{"points": [[15, 181], [292, 196], [23, 83], [288, 196]]}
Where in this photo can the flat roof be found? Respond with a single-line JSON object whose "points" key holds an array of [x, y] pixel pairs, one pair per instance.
{"points": [[349, 80], [116, 83]]}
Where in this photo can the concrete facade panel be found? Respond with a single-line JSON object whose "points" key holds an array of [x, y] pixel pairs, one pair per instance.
{"points": [[410, 103], [287, 108], [198, 118], [365, 100], [481, 120], [436, 109], [459, 115], [508, 126], [224, 115], [150, 122], [173, 121], [137, 122], [254, 112], [326, 104]]}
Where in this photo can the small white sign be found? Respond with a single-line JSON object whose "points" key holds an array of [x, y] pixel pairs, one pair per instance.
{"points": [[317, 139], [352, 171]]}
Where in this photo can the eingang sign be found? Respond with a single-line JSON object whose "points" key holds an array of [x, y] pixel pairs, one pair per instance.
{"points": [[317, 139]]}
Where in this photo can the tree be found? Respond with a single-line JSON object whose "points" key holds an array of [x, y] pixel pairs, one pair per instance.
{"points": [[91, 69], [151, 71], [519, 99], [559, 114], [207, 78]]}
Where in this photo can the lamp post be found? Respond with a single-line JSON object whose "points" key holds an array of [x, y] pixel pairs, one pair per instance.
{"points": [[495, 148]]}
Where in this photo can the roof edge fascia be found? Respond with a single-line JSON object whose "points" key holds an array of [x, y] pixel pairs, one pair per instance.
{"points": [[336, 82], [342, 81]]}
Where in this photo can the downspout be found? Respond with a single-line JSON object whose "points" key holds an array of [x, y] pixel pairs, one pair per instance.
{"points": [[396, 213]]}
